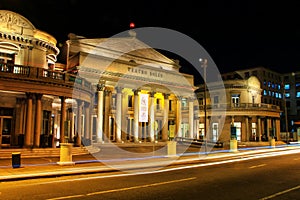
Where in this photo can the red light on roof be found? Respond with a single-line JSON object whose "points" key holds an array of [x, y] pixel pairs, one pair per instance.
{"points": [[131, 25]]}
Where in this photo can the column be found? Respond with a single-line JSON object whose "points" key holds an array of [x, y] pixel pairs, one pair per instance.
{"points": [[152, 117], [63, 118], [79, 122], [136, 116], [71, 119], [268, 128], [178, 117], [196, 128], [166, 118], [191, 118], [106, 113], [259, 128], [38, 120], [28, 127], [87, 132], [247, 128], [100, 88], [118, 114], [277, 132]]}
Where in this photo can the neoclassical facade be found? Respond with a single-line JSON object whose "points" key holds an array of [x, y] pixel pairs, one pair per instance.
{"points": [[140, 95], [253, 120], [36, 95]]}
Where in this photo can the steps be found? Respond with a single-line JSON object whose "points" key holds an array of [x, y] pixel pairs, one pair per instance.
{"points": [[45, 152]]}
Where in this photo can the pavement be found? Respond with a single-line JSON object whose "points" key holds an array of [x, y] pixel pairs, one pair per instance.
{"points": [[124, 158]]}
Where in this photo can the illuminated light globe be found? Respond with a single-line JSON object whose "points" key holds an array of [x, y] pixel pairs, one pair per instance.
{"points": [[131, 25]]}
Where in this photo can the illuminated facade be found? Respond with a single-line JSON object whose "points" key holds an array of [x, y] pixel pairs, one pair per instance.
{"points": [[117, 90], [35, 94], [140, 95], [254, 120]]}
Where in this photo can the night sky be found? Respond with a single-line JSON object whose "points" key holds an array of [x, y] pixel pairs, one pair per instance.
{"points": [[237, 34]]}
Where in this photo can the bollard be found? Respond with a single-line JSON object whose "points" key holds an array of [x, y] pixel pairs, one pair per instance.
{"points": [[233, 145], [16, 159], [172, 148], [272, 142], [65, 154]]}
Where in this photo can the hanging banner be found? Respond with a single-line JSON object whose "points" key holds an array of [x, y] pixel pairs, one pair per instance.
{"points": [[143, 108]]}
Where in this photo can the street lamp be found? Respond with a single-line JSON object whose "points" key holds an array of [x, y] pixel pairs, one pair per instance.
{"points": [[204, 66]]}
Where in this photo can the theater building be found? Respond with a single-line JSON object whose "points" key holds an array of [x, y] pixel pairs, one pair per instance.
{"points": [[107, 89], [140, 95]]}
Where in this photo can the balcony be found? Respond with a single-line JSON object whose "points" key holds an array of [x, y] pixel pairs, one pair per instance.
{"points": [[39, 80]]}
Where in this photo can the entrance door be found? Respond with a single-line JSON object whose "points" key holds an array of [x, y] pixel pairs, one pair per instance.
{"points": [[5, 131]]}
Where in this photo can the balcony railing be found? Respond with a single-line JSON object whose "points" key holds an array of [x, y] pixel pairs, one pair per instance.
{"points": [[242, 106], [36, 73]]}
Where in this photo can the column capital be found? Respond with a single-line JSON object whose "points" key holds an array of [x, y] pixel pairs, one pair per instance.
{"points": [[38, 96], [136, 91], [100, 85], [29, 95], [107, 92], [152, 93], [118, 89], [179, 98], [166, 95]]}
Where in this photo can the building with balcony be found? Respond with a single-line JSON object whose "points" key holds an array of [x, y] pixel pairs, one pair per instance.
{"points": [[36, 95], [253, 120], [104, 90]]}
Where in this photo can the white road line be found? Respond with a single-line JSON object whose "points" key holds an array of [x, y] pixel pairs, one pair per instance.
{"points": [[255, 166], [280, 193], [125, 189]]}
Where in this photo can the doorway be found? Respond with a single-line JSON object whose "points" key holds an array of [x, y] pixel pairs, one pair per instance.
{"points": [[5, 131]]}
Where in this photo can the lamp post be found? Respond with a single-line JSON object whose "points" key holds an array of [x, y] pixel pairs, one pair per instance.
{"points": [[204, 66]]}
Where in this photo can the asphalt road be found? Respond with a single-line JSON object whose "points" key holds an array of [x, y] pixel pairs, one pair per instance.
{"points": [[264, 178]]}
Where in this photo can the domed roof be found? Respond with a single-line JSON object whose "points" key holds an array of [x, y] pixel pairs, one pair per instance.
{"points": [[253, 81], [13, 22]]}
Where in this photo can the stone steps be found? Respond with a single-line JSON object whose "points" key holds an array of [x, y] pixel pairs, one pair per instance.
{"points": [[45, 152]]}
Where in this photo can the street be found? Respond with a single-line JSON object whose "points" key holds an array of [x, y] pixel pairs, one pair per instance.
{"points": [[264, 178]]}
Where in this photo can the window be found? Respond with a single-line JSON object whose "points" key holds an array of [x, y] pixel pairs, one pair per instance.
{"points": [[130, 101], [265, 92], [216, 99], [235, 99], [170, 105], [215, 132], [298, 94], [286, 86], [158, 104], [238, 126], [297, 85], [287, 95], [253, 132]]}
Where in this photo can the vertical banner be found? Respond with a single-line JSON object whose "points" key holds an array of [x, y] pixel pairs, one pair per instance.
{"points": [[143, 108]]}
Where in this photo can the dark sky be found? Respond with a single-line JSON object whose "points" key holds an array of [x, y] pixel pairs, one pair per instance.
{"points": [[237, 34]]}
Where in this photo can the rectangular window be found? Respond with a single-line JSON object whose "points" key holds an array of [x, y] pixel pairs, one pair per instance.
{"points": [[298, 94], [253, 132], [238, 126], [170, 105], [130, 101], [158, 104], [286, 86]]}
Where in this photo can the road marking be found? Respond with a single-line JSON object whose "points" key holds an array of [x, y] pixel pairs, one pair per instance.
{"points": [[124, 189], [67, 197], [280, 193], [141, 186], [255, 166]]}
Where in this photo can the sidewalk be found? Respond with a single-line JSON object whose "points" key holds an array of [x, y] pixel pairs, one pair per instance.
{"points": [[83, 164]]}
